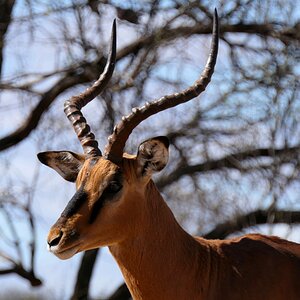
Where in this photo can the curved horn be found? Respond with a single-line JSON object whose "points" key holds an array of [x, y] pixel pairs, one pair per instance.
{"points": [[73, 106], [117, 141]]}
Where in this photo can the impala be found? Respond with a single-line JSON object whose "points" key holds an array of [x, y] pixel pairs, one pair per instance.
{"points": [[118, 205]]}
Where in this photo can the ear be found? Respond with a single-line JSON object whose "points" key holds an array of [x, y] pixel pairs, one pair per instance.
{"points": [[153, 155], [65, 163]]}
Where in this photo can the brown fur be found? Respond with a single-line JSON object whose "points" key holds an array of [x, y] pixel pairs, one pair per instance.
{"points": [[159, 260]]}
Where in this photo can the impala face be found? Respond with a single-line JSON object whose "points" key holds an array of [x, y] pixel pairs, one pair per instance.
{"points": [[109, 198], [110, 189]]}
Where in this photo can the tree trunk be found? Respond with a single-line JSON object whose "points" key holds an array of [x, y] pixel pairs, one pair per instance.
{"points": [[84, 275]]}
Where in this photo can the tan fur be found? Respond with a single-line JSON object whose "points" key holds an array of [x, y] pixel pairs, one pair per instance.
{"points": [[159, 260]]}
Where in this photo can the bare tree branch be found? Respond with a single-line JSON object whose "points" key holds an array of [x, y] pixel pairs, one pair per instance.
{"points": [[9, 203], [231, 161], [121, 293], [19, 270], [258, 217], [84, 275], [6, 8], [31, 122]]}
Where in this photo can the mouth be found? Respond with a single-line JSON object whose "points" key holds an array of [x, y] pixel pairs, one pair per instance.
{"points": [[64, 253]]}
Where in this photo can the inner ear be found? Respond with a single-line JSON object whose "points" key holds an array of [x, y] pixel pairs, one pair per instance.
{"points": [[153, 155], [65, 163]]}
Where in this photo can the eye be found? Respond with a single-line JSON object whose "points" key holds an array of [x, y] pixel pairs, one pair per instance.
{"points": [[114, 187]]}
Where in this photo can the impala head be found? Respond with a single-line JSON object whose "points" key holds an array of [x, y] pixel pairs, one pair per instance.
{"points": [[109, 202]]}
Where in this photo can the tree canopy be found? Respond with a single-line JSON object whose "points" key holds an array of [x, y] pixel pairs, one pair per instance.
{"points": [[234, 164]]}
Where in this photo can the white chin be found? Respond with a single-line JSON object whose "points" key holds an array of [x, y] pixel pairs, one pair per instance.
{"points": [[64, 254]]}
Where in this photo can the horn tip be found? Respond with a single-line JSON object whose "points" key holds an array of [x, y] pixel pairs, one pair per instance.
{"points": [[216, 23], [114, 24], [216, 13], [216, 17]]}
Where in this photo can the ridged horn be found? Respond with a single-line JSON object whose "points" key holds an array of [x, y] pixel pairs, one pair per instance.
{"points": [[73, 106], [116, 142]]}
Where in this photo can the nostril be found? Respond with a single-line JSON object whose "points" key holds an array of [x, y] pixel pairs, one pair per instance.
{"points": [[55, 240]]}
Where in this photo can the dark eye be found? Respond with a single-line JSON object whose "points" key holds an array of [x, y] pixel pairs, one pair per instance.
{"points": [[113, 187]]}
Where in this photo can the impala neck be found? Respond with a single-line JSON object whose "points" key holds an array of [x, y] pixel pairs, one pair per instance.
{"points": [[161, 252]]}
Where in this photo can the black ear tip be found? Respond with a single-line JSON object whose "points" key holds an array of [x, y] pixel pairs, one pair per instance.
{"points": [[42, 157], [164, 140]]}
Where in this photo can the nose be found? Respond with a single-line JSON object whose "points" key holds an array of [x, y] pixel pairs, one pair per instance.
{"points": [[54, 238]]}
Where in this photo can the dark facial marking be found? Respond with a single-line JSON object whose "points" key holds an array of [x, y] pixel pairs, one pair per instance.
{"points": [[79, 197], [113, 187], [75, 203]]}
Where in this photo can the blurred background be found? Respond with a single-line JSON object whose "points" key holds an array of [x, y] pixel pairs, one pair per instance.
{"points": [[235, 150]]}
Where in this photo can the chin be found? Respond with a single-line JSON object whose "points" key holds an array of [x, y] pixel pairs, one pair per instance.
{"points": [[64, 254]]}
